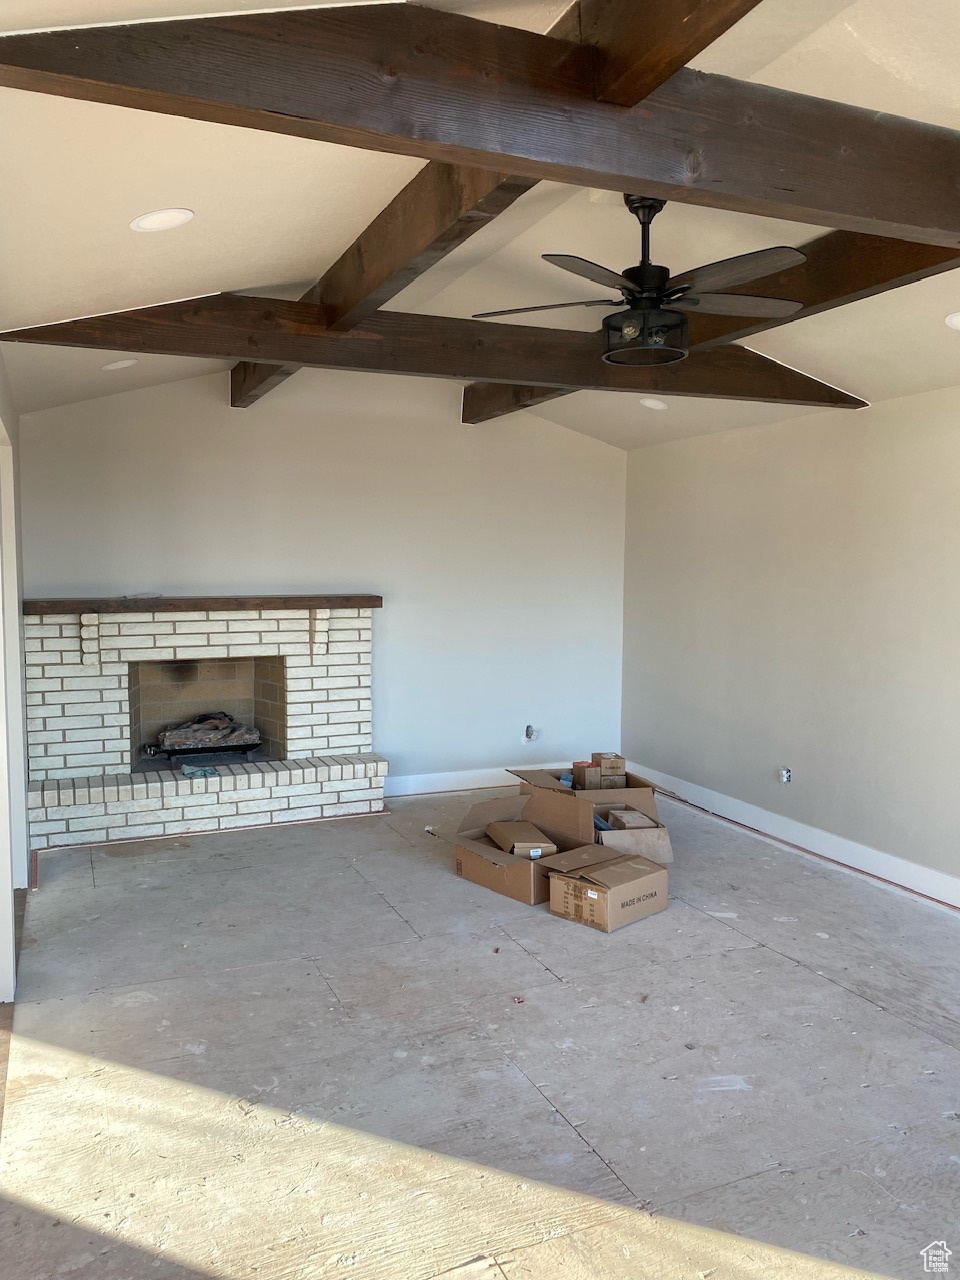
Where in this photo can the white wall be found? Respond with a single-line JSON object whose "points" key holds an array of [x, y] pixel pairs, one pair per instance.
{"points": [[13, 812], [793, 598], [497, 548]]}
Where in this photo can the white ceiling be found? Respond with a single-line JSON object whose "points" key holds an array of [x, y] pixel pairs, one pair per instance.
{"points": [[272, 211]]}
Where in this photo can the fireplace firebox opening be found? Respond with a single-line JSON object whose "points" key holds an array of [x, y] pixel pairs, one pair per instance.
{"points": [[165, 694]]}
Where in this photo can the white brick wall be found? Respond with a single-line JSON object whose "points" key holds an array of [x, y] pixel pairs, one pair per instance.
{"points": [[77, 691], [78, 726]]}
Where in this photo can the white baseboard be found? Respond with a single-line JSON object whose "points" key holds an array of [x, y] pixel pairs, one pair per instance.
{"points": [[767, 825], [846, 853], [419, 784]]}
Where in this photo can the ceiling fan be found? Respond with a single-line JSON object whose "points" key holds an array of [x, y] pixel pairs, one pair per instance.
{"points": [[653, 329]]}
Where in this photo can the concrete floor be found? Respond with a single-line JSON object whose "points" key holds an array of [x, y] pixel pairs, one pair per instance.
{"points": [[312, 1051]]}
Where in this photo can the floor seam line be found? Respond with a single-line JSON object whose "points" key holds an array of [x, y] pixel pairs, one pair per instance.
{"points": [[815, 973], [589, 1145], [532, 956], [719, 1186], [386, 901]]}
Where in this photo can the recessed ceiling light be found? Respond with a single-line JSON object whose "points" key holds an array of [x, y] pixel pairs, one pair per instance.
{"points": [[953, 320], [649, 402], [161, 220], [118, 364]]}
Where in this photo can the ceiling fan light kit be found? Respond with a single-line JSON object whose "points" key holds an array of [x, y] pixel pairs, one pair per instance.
{"points": [[647, 336]]}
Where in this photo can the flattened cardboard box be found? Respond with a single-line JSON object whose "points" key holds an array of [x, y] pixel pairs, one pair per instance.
{"points": [[481, 861], [638, 794], [649, 839], [609, 895]]}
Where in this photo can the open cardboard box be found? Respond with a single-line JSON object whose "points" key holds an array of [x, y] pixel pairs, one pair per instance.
{"points": [[651, 841], [480, 860], [562, 806], [608, 895]]}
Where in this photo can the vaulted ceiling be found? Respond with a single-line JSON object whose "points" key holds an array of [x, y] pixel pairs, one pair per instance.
{"points": [[273, 212]]}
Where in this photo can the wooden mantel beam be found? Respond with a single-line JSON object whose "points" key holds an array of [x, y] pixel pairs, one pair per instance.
{"points": [[230, 327], [423, 82]]}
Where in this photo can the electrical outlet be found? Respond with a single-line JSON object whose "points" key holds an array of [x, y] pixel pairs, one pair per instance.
{"points": [[786, 774]]}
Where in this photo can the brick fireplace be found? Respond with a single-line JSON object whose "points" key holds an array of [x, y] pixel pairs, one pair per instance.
{"points": [[102, 676]]}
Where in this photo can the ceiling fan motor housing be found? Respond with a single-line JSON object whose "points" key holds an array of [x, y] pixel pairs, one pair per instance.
{"points": [[644, 336]]}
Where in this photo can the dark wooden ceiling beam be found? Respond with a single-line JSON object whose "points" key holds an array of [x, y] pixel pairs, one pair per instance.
{"points": [[435, 212], [841, 267], [446, 87], [445, 204], [485, 401], [439, 209], [231, 327], [644, 42]]}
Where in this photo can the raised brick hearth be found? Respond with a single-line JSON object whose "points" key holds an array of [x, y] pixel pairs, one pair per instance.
{"points": [[82, 746]]}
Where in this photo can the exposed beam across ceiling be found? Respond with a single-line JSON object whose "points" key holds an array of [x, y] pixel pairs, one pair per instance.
{"points": [[643, 45], [230, 327], [447, 87], [486, 401], [440, 208], [841, 267], [445, 204]]}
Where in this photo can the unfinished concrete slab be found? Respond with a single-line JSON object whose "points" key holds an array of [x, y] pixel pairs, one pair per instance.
{"points": [[313, 1051]]}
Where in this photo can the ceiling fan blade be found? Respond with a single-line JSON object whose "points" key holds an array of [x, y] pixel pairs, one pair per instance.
{"points": [[735, 304], [550, 306], [739, 270], [589, 270]]}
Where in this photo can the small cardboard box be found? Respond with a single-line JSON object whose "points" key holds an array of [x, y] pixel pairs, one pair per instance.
{"points": [[613, 781], [639, 834], [480, 860], [609, 895], [609, 762], [624, 819], [586, 776], [546, 785], [522, 839]]}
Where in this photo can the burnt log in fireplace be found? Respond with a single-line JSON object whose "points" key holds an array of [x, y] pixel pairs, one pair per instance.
{"points": [[211, 733]]}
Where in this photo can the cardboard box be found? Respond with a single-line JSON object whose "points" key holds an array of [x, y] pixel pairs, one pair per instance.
{"points": [[481, 861], [522, 839], [586, 776], [625, 819], [639, 834], [609, 762], [609, 781], [609, 895], [638, 794]]}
